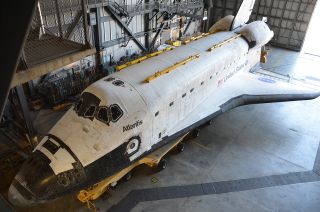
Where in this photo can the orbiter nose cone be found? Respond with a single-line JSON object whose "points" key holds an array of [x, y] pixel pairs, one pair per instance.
{"points": [[16, 198]]}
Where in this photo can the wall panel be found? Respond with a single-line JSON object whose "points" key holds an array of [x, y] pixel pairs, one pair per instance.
{"points": [[289, 19]]}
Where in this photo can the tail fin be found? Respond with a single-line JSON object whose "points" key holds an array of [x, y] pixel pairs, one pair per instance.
{"points": [[243, 14]]}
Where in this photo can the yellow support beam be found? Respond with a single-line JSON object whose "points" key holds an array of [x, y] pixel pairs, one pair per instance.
{"points": [[195, 38], [215, 46], [136, 61], [171, 68], [173, 43]]}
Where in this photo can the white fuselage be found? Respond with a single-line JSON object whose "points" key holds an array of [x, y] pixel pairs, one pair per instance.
{"points": [[151, 111], [121, 118]]}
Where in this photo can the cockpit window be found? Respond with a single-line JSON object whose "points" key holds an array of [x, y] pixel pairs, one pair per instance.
{"points": [[102, 115], [87, 105], [90, 112], [78, 105], [116, 113]]}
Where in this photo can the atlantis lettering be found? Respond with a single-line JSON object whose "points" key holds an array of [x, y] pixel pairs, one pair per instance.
{"points": [[132, 126]]}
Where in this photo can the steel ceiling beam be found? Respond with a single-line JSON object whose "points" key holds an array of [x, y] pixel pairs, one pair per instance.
{"points": [[14, 36], [123, 25]]}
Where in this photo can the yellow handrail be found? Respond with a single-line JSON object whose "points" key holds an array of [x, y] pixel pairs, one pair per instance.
{"points": [[223, 42], [120, 67], [195, 38], [171, 68]]}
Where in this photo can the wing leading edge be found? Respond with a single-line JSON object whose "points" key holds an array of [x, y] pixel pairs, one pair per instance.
{"points": [[248, 88]]}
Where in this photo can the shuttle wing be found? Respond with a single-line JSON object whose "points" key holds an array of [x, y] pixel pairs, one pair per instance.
{"points": [[248, 88], [243, 14]]}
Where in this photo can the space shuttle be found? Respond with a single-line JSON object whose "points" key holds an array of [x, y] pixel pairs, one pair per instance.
{"points": [[123, 117]]}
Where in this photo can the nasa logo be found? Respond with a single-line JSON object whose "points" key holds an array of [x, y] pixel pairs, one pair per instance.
{"points": [[132, 126], [267, 80]]}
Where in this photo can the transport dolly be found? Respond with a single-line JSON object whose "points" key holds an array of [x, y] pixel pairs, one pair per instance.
{"points": [[154, 159]]}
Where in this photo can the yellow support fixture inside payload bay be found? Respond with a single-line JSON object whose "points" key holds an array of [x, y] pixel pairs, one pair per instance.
{"points": [[215, 46], [120, 67], [174, 43], [171, 68], [195, 38]]}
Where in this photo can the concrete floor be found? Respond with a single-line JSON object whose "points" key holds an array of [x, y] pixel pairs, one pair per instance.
{"points": [[253, 158]]}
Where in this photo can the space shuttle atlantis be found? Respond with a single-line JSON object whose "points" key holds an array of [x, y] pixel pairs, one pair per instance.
{"points": [[125, 116]]}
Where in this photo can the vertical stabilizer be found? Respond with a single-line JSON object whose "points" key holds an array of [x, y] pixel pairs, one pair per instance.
{"points": [[243, 14]]}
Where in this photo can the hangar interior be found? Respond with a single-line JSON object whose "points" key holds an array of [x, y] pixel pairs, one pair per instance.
{"points": [[252, 158]]}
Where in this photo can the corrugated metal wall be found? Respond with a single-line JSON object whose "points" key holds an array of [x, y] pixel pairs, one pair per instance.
{"points": [[288, 19]]}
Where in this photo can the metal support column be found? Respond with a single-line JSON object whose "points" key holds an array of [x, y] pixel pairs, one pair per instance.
{"points": [[125, 27], [85, 22], [97, 36], [25, 110], [146, 28], [14, 38]]}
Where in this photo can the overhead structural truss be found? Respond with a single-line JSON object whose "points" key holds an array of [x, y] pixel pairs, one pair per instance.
{"points": [[125, 27], [149, 9]]}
